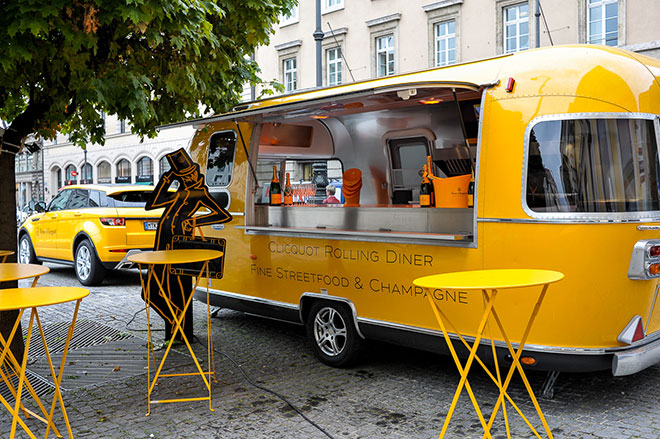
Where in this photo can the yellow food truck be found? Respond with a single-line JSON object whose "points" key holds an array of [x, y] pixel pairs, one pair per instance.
{"points": [[563, 143]]}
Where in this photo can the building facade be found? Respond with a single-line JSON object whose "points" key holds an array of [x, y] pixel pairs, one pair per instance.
{"points": [[124, 159], [29, 176], [364, 39]]}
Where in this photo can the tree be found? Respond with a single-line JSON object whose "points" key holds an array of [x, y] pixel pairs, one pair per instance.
{"points": [[150, 62]]}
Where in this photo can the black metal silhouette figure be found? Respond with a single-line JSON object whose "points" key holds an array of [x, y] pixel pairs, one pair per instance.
{"points": [[178, 221]]}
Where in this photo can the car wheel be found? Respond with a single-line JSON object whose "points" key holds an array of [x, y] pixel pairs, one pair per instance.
{"points": [[89, 270], [26, 251], [333, 336]]}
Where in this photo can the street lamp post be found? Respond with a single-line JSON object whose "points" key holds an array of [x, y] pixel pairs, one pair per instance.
{"points": [[318, 37]]}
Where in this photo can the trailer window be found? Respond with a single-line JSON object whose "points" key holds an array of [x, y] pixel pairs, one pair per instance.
{"points": [[309, 179], [220, 163], [593, 165]]}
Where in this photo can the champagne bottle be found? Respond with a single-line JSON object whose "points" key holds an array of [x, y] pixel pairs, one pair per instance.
{"points": [[275, 190], [426, 189], [431, 177], [288, 192], [470, 191]]}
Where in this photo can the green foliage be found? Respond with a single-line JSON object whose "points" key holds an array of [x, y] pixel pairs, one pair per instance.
{"points": [[150, 62]]}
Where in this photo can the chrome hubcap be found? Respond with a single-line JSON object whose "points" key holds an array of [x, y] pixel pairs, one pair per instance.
{"points": [[83, 262], [24, 252], [330, 332]]}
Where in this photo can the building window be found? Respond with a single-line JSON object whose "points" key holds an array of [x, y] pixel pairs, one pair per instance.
{"points": [[516, 28], [445, 43], [121, 126], [87, 174], [290, 75], [603, 22], [103, 173], [123, 171], [333, 63], [289, 18], [58, 178], [385, 55], [71, 175], [164, 166], [145, 170], [332, 5]]}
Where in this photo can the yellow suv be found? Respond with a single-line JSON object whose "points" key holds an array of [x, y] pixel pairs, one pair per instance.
{"points": [[92, 227]]}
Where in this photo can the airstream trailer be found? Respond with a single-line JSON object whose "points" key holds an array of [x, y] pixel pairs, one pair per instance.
{"points": [[563, 143]]}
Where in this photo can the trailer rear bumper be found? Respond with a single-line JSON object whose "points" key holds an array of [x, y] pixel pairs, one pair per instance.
{"points": [[636, 359]]}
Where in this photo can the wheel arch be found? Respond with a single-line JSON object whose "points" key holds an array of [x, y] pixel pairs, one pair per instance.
{"points": [[23, 231], [308, 298], [80, 237]]}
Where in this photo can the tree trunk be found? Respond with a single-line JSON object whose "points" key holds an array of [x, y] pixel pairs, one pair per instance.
{"points": [[8, 242]]}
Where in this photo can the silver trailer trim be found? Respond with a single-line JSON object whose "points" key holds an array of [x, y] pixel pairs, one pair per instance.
{"points": [[637, 359]]}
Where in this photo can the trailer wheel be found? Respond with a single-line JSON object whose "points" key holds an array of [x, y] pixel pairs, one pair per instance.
{"points": [[332, 334]]}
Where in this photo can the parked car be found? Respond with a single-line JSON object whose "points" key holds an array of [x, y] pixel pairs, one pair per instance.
{"points": [[92, 227]]}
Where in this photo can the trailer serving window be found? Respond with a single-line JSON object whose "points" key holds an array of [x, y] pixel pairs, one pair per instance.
{"points": [[592, 166], [384, 137]]}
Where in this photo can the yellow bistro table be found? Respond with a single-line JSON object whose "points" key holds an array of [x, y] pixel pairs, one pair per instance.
{"points": [[12, 272], [489, 282], [168, 258], [21, 299], [4, 254]]}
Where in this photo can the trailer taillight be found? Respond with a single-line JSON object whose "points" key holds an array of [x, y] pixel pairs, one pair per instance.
{"points": [[654, 269], [654, 251], [645, 260]]}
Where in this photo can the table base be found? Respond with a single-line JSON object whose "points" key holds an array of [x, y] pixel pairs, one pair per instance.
{"points": [[489, 309], [178, 328], [8, 359]]}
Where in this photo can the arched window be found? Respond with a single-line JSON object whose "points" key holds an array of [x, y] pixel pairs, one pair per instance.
{"points": [[87, 174], [71, 175], [145, 171], [164, 166], [123, 171], [56, 178], [104, 173]]}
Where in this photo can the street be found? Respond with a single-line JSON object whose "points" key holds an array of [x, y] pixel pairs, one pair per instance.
{"points": [[392, 393]]}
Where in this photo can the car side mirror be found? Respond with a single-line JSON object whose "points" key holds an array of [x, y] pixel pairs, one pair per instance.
{"points": [[40, 207]]}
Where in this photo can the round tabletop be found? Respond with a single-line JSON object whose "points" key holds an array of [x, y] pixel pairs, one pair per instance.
{"points": [[15, 271], [179, 256], [18, 298], [489, 279]]}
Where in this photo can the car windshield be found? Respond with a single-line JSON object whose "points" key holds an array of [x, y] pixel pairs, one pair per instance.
{"points": [[130, 199]]}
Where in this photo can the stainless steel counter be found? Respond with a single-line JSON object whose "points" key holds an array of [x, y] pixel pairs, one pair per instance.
{"points": [[367, 223]]}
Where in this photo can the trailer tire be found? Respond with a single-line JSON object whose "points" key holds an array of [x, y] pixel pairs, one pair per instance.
{"points": [[333, 336]]}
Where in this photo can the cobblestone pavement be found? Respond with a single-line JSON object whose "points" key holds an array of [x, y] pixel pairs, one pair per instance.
{"points": [[393, 393]]}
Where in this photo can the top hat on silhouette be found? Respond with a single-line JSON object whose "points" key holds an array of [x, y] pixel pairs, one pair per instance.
{"points": [[181, 162]]}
